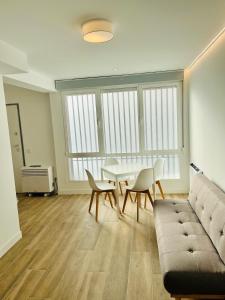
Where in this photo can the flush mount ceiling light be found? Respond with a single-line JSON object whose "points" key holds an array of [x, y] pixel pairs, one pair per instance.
{"points": [[97, 31]]}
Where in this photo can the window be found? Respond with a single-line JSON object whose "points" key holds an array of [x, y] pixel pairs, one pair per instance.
{"points": [[138, 124]]}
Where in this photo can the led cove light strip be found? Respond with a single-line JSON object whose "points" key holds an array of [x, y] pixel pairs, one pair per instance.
{"points": [[214, 40]]}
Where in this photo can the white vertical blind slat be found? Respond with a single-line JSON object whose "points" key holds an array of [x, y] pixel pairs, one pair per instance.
{"points": [[82, 123], [160, 114], [120, 139]]}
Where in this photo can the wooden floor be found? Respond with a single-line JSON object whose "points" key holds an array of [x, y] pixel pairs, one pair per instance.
{"points": [[65, 254]]}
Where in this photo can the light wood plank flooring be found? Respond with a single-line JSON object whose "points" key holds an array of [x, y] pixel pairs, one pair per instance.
{"points": [[65, 254]]}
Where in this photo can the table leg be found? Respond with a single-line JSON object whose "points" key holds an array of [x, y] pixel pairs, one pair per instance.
{"points": [[153, 190], [153, 185], [117, 198], [102, 178]]}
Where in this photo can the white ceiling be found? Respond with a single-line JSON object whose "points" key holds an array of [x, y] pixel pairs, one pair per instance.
{"points": [[150, 35]]}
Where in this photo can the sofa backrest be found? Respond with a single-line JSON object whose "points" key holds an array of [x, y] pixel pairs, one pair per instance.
{"points": [[208, 202]]}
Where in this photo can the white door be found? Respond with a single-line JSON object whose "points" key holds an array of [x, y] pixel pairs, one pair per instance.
{"points": [[16, 144]]}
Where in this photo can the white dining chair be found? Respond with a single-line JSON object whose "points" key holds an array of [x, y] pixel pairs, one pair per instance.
{"points": [[158, 174], [98, 188], [142, 185], [109, 162]]}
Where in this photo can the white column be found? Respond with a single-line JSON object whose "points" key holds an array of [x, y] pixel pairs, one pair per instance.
{"points": [[9, 222]]}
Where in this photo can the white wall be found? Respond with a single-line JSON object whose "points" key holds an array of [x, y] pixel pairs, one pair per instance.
{"points": [[36, 124], [9, 222], [207, 113]]}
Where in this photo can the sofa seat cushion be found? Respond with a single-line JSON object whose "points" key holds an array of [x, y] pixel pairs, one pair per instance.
{"points": [[189, 262]]}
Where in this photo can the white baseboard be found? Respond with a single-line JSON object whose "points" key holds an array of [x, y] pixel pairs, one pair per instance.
{"points": [[74, 191], [11, 242]]}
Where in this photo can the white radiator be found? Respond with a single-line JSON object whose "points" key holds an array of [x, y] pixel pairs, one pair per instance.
{"points": [[37, 179]]}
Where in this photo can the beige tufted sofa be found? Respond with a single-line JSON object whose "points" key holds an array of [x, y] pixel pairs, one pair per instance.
{"points": [[191, 242]]}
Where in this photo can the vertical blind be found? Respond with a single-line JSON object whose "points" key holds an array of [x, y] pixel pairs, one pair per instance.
{"points": [[115, 122], [160, 118], [82, 123], [120, 119]]}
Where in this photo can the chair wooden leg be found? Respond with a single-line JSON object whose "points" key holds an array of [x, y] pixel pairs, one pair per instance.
{"points": [[110, 200], [125, 200], [121, 191], [153, 190], [91, 201], [131, 199], [97, 202], [145, 200], [126, 182], [138, 204], [160, 189], [150, 197], [106, 194], [114, 196], [135, 199]]}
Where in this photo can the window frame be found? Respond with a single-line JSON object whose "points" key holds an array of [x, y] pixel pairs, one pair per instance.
{"points": [[100, 130]]}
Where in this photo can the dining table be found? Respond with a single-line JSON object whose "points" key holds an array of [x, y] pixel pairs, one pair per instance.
{"points": [[118, 172]]}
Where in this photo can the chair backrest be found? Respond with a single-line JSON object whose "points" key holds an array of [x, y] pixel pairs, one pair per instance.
{"points": [[144, 180], [208, 202], [158, 169], [91, 180], [111, 161]]}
